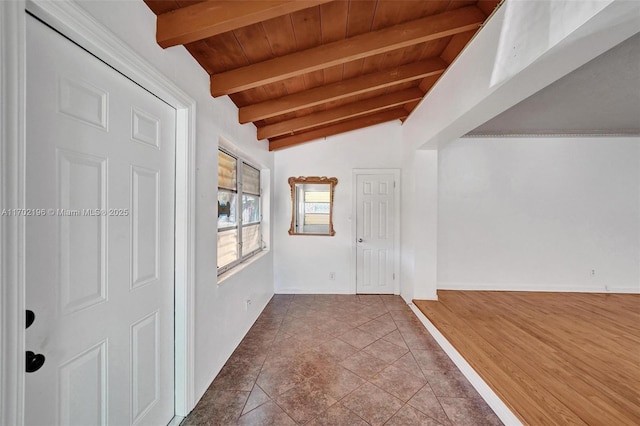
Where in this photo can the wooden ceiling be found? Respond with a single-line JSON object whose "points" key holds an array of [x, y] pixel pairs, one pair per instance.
{"points": [[301, 70]]}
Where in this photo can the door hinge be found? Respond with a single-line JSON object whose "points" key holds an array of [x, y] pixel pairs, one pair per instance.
{"points": [[394, 183], [394, 276]]}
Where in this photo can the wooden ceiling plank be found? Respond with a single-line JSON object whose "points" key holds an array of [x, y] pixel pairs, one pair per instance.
{"points": [[434, 48], [376, 63], [346, 111], [359, 21], [308, 34], [455, 46], [346, 126], [432, 7], [333, 74], [402, 86], [427, 83], [360, 16], [280, 34], [213, 17], [488, 6], [307, 28], [333, 20], [225, 52], [352, 69], [161, 6], [411, 106], [254, 43], [357, 47], [388, 13], [455, 4], [341, 89]]}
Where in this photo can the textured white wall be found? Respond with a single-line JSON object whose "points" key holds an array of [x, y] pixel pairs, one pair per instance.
{"points": [[540, 214], [303, 263], [221, 317]]}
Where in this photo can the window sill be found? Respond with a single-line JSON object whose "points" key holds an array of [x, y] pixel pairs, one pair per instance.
{"points": [[233, 271]]}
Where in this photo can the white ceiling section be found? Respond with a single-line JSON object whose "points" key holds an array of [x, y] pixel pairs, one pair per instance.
{"points": [[602, 97], [476, 88]]}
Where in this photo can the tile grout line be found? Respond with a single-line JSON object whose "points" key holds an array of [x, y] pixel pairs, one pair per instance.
{"points": [[255, 382], [421, 372]]}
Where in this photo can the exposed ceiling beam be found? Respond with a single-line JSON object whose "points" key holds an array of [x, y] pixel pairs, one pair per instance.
{"points": [[341, 90], [342, 112], [346, 126], [357, 47], [212, 17]]}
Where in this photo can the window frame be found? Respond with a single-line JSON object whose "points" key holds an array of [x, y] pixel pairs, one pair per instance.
{"points": [[242, 257]]}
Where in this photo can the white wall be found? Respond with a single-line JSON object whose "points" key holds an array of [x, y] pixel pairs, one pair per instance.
{"points": [[418, 273], [221, 319], [540, 214], [303, 263]]}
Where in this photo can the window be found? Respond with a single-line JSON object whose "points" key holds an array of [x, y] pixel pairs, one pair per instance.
{"points": [[239, 231], [316, 207]]}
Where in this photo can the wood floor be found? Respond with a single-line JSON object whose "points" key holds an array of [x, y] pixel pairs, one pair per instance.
{"points": [[553, 358]]}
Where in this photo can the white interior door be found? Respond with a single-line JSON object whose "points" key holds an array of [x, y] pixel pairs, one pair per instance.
{"points": [[99, 241], [376, 227]]}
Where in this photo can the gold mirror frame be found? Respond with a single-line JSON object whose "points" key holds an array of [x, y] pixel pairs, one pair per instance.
{"points": [[316, 180]]}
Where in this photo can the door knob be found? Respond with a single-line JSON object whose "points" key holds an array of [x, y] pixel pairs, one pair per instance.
{"points": [[360, 240], [31, 317], [33, 362]]}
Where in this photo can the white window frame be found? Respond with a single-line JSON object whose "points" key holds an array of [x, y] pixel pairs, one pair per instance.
{"points": [[242, 258]]}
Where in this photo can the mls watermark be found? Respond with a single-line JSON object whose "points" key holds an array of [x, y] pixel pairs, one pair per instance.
{"points": [[65, 212]]}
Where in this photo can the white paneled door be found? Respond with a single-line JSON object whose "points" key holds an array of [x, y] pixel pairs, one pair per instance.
{"points": [[99, 241], [376, 216]]}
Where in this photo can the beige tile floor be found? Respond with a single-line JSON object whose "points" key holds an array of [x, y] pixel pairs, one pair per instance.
{"points": [[340, 360]]}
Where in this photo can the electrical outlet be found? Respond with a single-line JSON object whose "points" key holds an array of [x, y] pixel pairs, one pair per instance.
{"points": [[593, 272], [332, 276], [248, 304]]}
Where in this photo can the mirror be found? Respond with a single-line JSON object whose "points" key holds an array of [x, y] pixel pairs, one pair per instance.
{"points": [[312, 205]]}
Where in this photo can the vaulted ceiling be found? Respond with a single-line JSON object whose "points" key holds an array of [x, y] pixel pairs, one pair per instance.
{"points": [[301, 70]]}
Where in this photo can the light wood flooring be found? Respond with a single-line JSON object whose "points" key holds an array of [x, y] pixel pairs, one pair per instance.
{"points": [[553, 358]]}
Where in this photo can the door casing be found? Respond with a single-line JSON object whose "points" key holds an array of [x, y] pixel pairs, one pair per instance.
{"points": [[396, 207], [73, 22]]}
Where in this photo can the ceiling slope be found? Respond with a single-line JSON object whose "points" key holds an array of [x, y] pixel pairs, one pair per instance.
{"points": [[301, 70], [602, 97]]}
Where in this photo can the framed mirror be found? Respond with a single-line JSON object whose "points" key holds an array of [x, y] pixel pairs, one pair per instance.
{"points": [[312, 205]]}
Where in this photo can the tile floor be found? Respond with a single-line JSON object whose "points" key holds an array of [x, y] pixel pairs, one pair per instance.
{"points": [[340, 360]]}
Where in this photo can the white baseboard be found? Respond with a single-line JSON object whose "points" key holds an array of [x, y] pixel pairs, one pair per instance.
{"points": [[308, 291], [176, 421], [551, 288], [502, 411]]}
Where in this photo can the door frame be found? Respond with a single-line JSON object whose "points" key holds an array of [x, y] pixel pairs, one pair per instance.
{"points": [[73, 22], [396, 225]]}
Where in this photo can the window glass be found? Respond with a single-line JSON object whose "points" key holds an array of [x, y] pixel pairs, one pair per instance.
{"points": [[250, 208], [227, 247], [227, 171], [239, 225], [250, 180], [251, 238], [316, 207], [226, 209]]}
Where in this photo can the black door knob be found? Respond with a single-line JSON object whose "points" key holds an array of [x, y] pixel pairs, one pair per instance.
{"points": [[31, 317], [33, 362]]}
